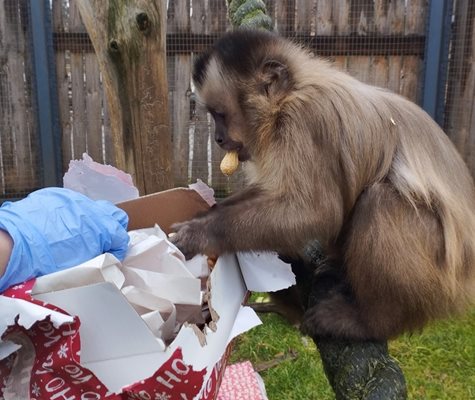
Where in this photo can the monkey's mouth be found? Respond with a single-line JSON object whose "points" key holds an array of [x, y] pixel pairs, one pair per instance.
{"points": [[243, 154]]}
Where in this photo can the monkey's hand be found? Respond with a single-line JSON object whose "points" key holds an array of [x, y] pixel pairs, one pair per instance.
{"points": [[191, 238]]}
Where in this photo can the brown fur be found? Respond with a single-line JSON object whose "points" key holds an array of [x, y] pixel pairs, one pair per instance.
{"points": [[364, 171]]}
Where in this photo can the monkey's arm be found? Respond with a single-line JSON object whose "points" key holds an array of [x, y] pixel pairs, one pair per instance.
{"points": [[256, 220]]}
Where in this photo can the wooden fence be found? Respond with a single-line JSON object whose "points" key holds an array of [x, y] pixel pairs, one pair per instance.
{"points": [[381, 42]]}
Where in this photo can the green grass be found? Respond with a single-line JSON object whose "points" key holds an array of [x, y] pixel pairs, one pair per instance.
{"points": [[438, 364]]}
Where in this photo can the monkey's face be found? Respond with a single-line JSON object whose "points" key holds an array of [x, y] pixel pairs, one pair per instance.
{"points": [[231, 128], [242, 81], [220, 95]]}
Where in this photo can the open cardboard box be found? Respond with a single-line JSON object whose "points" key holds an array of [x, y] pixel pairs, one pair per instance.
{"points": [[41, 348]]}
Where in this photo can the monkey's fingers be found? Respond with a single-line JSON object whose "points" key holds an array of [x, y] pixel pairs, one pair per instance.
{"points": [[211, 260], [174, 228], [229, 163]]}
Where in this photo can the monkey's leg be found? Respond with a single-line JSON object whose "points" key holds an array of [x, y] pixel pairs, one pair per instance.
{"points": [[393, 272], [291, 303], [285, 302], [394, 262], [361, 370], [332, 310]]}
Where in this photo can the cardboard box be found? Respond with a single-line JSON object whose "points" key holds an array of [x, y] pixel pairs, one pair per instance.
{"points": [[46, 354]]}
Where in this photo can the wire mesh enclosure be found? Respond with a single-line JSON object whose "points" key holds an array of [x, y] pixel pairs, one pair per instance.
{"points": [[382, 42]]}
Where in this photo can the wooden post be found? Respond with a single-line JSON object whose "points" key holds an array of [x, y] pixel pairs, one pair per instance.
{"points": [[129, 40]]}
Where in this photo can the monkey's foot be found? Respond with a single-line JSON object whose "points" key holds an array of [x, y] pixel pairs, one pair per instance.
{"points": [[334, 317]]}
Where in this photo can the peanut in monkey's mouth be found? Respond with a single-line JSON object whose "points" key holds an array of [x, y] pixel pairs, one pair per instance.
{"points": [[243, 154], [230, 162]]}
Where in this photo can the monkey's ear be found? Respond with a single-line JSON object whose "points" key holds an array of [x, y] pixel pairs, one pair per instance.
{"points": [[275, 77]]}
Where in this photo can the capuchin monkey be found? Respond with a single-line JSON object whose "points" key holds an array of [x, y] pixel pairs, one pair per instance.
{"points": [[363, 171]]}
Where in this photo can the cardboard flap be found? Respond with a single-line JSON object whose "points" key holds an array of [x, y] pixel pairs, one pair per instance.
{"points": [[164, 208]]}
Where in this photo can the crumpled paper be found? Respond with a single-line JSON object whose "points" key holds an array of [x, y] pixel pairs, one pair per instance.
{"points": [[99, 181], [265, 271], [153, 277]]}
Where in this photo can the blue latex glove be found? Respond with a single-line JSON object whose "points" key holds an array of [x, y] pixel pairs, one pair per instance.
{"points": [[54, 228]]}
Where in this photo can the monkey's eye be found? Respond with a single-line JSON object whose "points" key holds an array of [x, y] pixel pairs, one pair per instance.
{"points": [[217, 115]]}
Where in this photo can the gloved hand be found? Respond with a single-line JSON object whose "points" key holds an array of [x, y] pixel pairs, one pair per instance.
{"points": [[56, 228]]}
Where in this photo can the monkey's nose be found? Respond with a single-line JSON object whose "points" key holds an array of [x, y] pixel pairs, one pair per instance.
{"points": [[219, 140]]}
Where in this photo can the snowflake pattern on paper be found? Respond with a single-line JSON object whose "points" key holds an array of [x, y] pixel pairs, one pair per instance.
{"points": [[35, 390], [63, 351], [162, 396]]}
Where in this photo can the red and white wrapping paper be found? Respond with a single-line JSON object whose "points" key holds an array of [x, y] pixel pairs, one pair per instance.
{"points": [[47, 363]]}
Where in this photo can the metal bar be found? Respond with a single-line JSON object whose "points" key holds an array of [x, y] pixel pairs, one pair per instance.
{"points": [[437, 58], [183, 43], [47, 103]]}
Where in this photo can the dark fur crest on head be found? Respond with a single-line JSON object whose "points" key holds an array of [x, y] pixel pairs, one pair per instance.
{"points": [[234, 52]]}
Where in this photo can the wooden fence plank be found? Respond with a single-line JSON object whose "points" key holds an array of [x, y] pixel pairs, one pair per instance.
{"points": [[324, 18], [198, 125], [201, 132], [179, 21], [109, 156], [461, 91], [361, 17], [470, 158], [381, 24], [304, 21], [198, 18], [470, 98], [93, 108], [396, 11], [217, 20], [270, 7], [341, 16], [380, 64], [285, 16], [341, 19], [19, 144], [27, 141], [379, 71], [79, 115], [411, 65], [217, 12], [63, 82], [361, 21]]}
